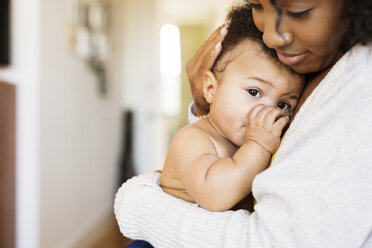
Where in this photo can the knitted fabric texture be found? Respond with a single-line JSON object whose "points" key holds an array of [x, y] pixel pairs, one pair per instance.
{"points": [[317, 192]]}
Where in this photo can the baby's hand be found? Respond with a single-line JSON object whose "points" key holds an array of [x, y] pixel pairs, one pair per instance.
{"points": [[265, 125]]}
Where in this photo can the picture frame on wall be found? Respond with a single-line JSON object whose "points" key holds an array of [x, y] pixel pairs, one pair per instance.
{"points": [[89, 35], [4, 33]]}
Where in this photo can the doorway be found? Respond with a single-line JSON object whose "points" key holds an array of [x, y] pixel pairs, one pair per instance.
{"points": [[7, 164]]}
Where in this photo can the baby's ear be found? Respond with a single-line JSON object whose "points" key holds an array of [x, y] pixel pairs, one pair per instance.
{"points": [[209, 86]]}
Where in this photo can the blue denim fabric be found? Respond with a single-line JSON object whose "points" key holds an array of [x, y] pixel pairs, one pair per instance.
{"points": [[140, 244]]}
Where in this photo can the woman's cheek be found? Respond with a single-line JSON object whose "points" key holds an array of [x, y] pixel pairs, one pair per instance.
{"points": [[258, 20]]}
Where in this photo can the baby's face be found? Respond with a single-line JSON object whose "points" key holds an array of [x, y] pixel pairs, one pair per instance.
{"points": [[251, 79]]}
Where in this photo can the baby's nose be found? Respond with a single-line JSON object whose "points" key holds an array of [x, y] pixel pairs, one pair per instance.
{"points": [[268, 102]]}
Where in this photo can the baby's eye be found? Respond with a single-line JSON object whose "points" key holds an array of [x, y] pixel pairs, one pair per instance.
{"points": [[283, 105], [254, 92]]}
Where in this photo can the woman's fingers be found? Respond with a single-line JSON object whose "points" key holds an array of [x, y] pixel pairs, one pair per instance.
{"points": [[201, 62], [213, 47], [208, 52], [216, 37]]}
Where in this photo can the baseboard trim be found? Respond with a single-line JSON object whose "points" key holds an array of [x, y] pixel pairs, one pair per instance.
{"points": [[90, 232]]}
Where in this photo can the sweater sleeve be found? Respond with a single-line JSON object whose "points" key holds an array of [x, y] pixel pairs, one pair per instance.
{"points": [[142, 210]]}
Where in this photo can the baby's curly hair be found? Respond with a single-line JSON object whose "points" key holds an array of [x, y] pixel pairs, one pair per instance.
{"points": [[241, 28]]}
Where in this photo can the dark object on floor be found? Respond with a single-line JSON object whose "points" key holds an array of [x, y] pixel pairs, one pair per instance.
{"points": [[7, 164], [126, 159]]}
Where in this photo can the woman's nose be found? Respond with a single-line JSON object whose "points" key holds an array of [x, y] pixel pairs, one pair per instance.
{"points": [[272, 34]]}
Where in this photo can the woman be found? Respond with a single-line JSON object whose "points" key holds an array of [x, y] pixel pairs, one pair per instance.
{"points": [[318, 190]]}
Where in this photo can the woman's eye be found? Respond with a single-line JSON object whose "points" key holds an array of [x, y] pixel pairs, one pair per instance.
{"points": [[283, 105], [299, 14], [256, 6], [254, 92]]}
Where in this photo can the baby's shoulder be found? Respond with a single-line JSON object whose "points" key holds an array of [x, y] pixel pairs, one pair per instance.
{"points": [[194, 136], [192, 132]]}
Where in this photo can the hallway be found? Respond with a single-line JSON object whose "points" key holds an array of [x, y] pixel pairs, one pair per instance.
{"points": [[76, 67]]}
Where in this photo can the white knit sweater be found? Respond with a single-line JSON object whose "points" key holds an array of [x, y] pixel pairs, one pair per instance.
{"points": [[317, 192]]}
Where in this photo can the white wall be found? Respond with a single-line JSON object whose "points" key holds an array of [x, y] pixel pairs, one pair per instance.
{"points": [[140, 72], [24, 71], [141, 85], [80, 137], [68, 136], [141, 92]]}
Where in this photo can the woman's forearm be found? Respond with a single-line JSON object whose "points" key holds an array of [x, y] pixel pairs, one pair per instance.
{"points": [[143, 212]]}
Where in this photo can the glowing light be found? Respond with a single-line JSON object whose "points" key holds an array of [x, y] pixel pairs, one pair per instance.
{"points": [[170, 51], [170, 69]]}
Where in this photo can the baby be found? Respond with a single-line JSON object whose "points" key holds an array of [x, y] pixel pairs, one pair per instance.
{"points": [[251, 97]]}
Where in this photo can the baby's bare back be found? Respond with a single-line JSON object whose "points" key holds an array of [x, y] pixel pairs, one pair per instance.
{"points": [[170, 179], [171, 183]]}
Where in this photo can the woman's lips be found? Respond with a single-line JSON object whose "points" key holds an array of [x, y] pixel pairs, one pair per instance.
{"points": [[291, 59]]}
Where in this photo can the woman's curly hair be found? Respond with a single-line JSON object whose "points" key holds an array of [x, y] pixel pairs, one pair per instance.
{"points": [[359, 21]]}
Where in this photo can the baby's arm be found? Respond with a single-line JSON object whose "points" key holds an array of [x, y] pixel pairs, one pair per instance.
{"points": [[218, 184]]}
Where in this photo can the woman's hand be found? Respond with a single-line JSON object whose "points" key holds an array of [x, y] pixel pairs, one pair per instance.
{"points": [[201, 62]]}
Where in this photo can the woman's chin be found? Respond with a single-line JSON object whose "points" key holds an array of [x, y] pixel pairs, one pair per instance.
{"points": [[301, 68]]}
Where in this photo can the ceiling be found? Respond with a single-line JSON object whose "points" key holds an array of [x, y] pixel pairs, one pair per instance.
{"points": [[191, 11]]}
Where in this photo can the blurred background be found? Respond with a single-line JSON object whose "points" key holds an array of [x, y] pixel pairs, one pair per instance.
{"points": [[91, 93]]}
